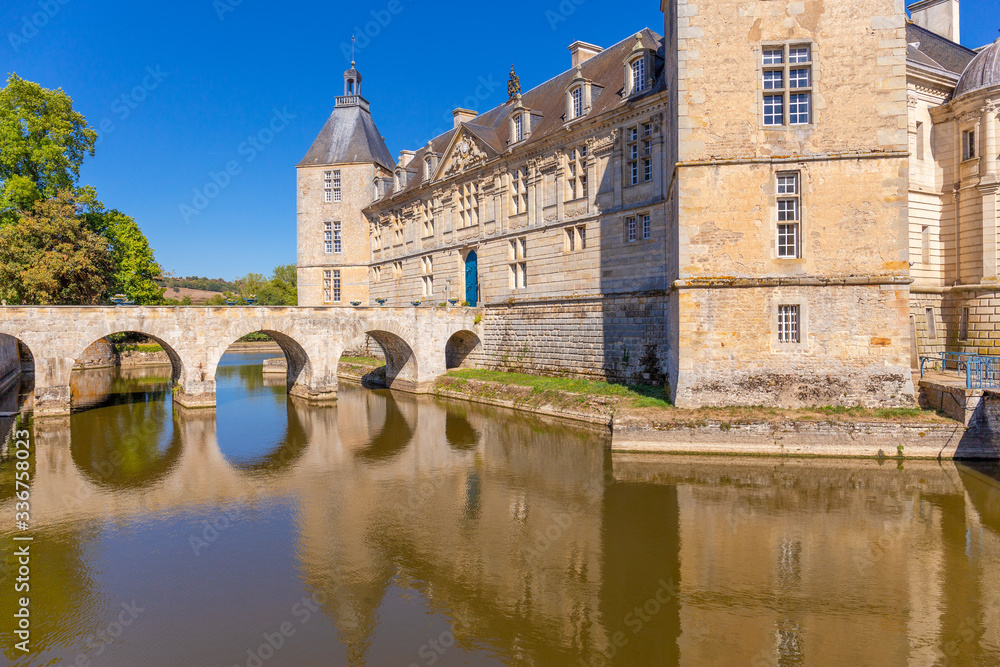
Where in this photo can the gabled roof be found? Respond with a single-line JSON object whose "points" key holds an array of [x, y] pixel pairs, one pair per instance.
{"points": [[349, 137], [933, 50], [606, 71]]}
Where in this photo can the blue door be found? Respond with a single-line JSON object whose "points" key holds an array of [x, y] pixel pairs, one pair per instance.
{"points": [[472, 279]]}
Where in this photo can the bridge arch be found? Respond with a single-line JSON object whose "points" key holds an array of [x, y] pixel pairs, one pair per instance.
{"points": [[462, 349], [401, 366]]}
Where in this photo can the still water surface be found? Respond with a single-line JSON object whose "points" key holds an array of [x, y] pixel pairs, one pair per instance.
{"points": [[402, 530]]}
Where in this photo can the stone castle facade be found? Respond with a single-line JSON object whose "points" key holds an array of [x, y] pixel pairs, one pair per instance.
{"points": [[729, 208]]}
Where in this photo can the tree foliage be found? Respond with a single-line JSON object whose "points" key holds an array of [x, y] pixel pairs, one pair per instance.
{"points": [[49, 256], [43, 142]]}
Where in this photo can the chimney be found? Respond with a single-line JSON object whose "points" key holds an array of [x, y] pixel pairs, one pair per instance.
{"points": [[405, 157], [582, 52], [464, 116], [938, 16]]}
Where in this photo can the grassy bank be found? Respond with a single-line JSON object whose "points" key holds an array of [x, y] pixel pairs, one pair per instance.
{"points": [[642, 403]]}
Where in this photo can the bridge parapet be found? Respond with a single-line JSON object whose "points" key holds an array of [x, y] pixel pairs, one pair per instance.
{"points": [[414, 340]]}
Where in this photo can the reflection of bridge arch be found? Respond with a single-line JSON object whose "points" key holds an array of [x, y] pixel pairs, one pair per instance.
{"points": [[286, 451], [195, 338]]}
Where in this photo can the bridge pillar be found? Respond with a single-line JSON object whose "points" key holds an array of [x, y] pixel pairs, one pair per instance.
{"points": [[52, 393]]}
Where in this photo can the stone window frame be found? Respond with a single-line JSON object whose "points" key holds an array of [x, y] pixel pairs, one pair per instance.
{"points": [[397, 271], [377, 274], [779, 300], [930, 320], [519, 190], [637, 228], [328, 238], [427, 274], [327, 286], [518, 265], [969, 144], [336, 286], [963, 325], [576, 103], [632, 141], [786, 67], [575, 238]]}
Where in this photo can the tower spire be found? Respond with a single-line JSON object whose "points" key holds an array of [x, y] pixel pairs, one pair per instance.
{"points": [[354, 40]]}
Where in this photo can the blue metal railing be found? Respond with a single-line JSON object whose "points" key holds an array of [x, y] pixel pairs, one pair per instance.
{"points": [[981, 372]]}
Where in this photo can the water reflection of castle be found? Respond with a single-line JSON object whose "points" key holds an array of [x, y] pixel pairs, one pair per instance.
{"points": [[531, 540]]}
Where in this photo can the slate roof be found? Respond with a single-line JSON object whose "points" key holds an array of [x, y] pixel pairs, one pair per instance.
{"points": [[349, 136], [982, 72], [606, 70], [935, 51]]}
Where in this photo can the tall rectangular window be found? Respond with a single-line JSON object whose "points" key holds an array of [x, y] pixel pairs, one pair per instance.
{"points": [[328, 186], [577, 96], [925, 245], [397, 270], [788, 324], [518, 267], [337, 191], [969, 145], [576, 174], [519, 191], [639, 75], [518, 128], [963, 332], [789, 215], [427, 268], [632, 155], [931, 324], [328, 237], [336, 286], [427, 217], [647, 228], [338, 244], [919, 140], [468, 205], [787, 85], [630, 229], [327, 286], [575, 239]]}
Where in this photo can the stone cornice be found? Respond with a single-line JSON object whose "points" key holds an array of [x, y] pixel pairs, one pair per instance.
{"points": [[724, 282], [790, 159]]}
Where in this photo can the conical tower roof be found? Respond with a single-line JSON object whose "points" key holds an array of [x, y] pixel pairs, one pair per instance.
{"points": [[349, 137]]}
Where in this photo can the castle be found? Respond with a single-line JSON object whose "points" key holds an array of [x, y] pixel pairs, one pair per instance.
{"points": [[774, 203]]}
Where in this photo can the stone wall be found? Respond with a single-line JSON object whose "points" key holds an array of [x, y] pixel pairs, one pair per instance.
{"points": [[10, 361], [101, 354], [622, 338]]}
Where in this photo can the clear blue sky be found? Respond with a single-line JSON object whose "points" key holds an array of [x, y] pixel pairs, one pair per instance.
{"points": [[223, 66]]}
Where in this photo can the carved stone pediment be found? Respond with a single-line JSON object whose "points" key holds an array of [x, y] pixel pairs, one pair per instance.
{"points": [[466, 154]]}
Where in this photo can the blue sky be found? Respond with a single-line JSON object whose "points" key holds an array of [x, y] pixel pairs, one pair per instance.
{"points": [[180, 89]]}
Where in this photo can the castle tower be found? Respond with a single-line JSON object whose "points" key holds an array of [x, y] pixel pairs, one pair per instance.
{"points": [[335, 182]]}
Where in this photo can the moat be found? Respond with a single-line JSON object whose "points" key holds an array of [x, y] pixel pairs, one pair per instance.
{"points": [[392, 529]]}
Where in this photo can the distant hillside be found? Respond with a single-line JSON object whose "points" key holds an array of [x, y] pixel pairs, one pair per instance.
{"points": [[197, 296], [215, 285]]}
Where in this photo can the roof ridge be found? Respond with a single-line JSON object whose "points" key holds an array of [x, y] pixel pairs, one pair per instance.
{"points": [[937, 36]]}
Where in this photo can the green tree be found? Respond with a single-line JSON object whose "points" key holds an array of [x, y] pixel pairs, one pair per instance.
{"points": [[281, 289], [43, 142], [135, 267], [49, 256]]}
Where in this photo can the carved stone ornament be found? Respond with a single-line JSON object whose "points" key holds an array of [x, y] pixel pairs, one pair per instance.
{"points": [[467, 154], [513, 85]]}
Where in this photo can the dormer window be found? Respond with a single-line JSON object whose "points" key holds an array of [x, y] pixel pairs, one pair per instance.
{"points": [[640, 68], [399, 180], [518, 134], [576, 102], [428, 168]]}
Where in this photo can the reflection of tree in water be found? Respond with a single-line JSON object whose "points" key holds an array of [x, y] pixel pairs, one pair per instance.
{"points": [[127, 441], [286, 452], [394, 436], [105, 387]]}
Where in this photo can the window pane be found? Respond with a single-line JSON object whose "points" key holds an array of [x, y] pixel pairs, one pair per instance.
{"points": [[773, 57], [788, 241], [788, 209], [788, 324], [788, 184], [798, 54], [774, 80], [798, 109], [798, 78], [774, 110]]}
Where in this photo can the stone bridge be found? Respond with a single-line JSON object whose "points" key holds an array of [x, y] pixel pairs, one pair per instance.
{"points": [[419, 343]]}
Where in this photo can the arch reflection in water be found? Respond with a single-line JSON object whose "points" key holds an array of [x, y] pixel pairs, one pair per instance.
{"points": [[395, 433], [122, 432], [259, 425]]}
